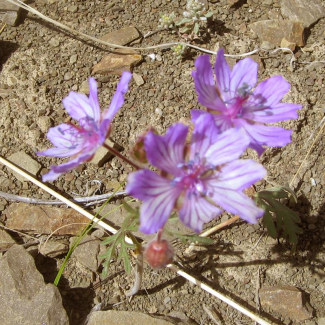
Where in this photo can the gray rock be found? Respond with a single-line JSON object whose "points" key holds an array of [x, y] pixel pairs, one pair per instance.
{"points": [[54, 42], [87, 252], [9, 13], [138, 79], [10, 18], [25, 162], [84, 87], [286, 300], [307, 12], [44, 123], [291, 31], [321, 321], [42, 219], [54, 248], [67, 76], [73, 8], [25, 298], [5, 240], [73, 58], [113, 317], [122, 36], [117, 62]]}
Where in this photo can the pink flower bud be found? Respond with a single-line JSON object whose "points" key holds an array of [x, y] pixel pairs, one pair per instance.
{"points": [[158, 253]]}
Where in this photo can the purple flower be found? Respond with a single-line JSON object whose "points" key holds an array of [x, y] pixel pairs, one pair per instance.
{"points": [[81, 142], [235, 104], [195, 179]]}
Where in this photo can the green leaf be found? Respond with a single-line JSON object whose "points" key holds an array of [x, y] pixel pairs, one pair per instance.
{"points": [[209, 14], [108, 240], [269, 224], [184, 30], [278, 218], [129, 209], [183, 21], [196, 28]]}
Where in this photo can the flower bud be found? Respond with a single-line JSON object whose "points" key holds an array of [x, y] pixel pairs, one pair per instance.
{"points": [[158, 253]]}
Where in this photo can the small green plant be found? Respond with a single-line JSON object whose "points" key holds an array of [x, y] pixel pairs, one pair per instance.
{"points": [[195, 19], [179, 50], [117, 245], [167, 21], [192, 24], [278, 218]]}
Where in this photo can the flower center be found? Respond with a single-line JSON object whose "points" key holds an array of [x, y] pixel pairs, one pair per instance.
{"points": [[89, 131], [236, 104], [193, 173]]}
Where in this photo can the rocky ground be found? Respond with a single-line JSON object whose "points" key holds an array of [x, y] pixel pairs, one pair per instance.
{"points": [[41, 63]]}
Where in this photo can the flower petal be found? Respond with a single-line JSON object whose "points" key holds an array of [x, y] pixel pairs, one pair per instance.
{"points": [[196, 113], [223, 74], [272, 90], [116, 104], [240, 174], [93, 99], [228, 146], [259, 134], [166, 152], [56, 171], [243, 74], [223, 122], [79, 106], [66, 138], [204, 135], [196, 211], [237, 203], [276, 113], [158, 196], [205, 85], [223, 192], [59, 152]]}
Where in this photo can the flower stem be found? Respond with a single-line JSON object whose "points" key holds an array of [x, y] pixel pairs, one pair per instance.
{"points": [[117, 154]]}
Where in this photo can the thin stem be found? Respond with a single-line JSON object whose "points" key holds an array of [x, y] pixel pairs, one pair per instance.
{"points": [[219, 226], [119, 155]]}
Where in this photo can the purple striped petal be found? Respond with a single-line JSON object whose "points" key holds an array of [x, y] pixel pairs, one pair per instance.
{"points": [[158, 196], [240, 174], [166, 152], [228, 146], [65, 138], [276, 113], [243, 73], [196, 210], [272, 90], [204, 135], [224, 193], [56, 171], [118, 98], [205, 85], [237, 203], [59, 152], [196, 113], [93, 100], [223, 122], [223, 75], [116, 104], [79, 106], [271, 136]]}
